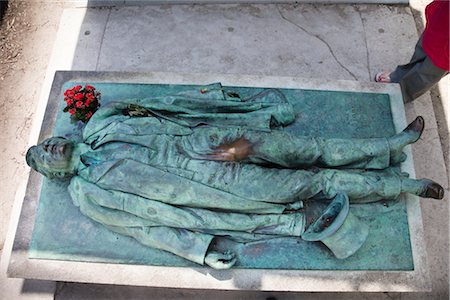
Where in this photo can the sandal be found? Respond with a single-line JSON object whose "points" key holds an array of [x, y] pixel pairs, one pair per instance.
{"points": [[383, 77]]}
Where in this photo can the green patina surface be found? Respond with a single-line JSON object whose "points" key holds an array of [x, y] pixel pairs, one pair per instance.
{"points": [[62, 232]]}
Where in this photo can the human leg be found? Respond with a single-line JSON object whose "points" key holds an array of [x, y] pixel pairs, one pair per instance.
{"points": [[421, 78], [415, 77], [401, 70]]}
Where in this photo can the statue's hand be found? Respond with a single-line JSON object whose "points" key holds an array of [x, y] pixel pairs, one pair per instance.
{"points": [[134, 110], [220, 261], [235, 150]]}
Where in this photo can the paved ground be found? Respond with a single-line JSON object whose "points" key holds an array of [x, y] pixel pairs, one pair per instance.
{"points": [[313, 41]]}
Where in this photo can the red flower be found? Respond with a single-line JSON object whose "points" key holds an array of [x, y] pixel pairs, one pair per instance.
{"points": [[90, 96], [88, 101], [72, 111], [76, 88], [79, 103], [69, 102], [89, 88], [79, 96], [70, 93], [88, 115]]}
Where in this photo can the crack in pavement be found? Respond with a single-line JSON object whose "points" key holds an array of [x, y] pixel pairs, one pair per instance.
{"points": [[365, 43], [317, 37], [102, 39]]}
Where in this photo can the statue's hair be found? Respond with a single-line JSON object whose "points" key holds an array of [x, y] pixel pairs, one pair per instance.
{"points": [[47, 172], [30, 160]]}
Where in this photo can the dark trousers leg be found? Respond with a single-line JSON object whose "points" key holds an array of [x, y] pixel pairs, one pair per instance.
{"points": [[418, 76]]}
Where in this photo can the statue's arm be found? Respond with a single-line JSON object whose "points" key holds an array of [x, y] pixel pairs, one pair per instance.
{"points": [[190, 245], [187, 244], [263, 111]]}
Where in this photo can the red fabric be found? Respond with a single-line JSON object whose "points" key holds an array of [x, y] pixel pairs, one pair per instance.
{"points": [[435, 38]]}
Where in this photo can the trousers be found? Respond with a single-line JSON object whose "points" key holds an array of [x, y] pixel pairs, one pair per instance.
{"points": [[418, 76]]}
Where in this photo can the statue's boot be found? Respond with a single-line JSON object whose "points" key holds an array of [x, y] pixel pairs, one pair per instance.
{"points": [[425, 188], [341, 231], [408, 136]]}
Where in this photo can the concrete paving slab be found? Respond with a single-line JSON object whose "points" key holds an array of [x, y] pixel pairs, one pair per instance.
{"points": [[441, 106], [285, 40], [99, 292], [18, 288], [390, 35], [325, 25], [90, 39], [429, 162]]}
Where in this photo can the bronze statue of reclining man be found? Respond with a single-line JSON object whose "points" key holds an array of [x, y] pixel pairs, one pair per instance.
{"points": [[177, 172]]}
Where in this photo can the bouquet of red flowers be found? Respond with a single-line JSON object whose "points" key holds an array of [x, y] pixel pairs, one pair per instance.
{"points": [[81, 103]]}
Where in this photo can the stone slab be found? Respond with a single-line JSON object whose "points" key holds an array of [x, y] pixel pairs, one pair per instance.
{"points": [[286, 280], [283, 39], [61, 232], [350, 42]]}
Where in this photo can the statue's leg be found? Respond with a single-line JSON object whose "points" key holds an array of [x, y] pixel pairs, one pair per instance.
{"points": [[289, 151], [425, 188], [371, 186], [374, 153], [359, 186], [284, 149], [354, 153], [254, 182], [408, 136], [257, 183]]}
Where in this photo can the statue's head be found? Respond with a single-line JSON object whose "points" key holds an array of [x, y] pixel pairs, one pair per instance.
{"points": [[52, 157]]}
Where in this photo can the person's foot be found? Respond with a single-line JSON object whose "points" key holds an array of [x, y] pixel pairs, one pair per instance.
{"points": [[383, 77]]}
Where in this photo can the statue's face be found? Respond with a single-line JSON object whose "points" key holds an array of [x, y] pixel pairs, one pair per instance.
{"points": [[52, 157]]}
